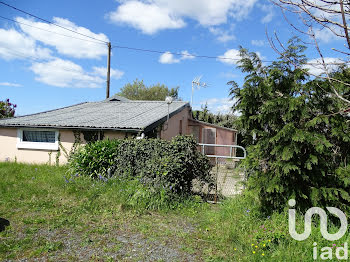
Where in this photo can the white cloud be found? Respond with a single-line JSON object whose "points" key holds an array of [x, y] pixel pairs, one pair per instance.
{"points": [[315, 66], [258, 42], [222, 35], [186, 55], [260, 55], [219, 105], [326, 36], [16, 45], [102, 71], [65, 45], [64, 73], [269, 10], [151, 16], [10, 84], [54, 71], [169, 58], [230, 57]]}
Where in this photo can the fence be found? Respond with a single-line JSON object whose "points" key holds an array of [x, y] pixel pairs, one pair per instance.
{"points": [[227, 172]]}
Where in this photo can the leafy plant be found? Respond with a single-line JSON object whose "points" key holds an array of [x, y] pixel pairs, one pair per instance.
{"points": [[7, 109], [170, 166], [299, 135], [94, 159]]}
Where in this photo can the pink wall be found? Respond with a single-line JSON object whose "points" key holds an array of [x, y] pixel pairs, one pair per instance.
{"points": [[171, 129], [223, 136]]}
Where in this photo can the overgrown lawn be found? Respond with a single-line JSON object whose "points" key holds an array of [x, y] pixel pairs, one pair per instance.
{"points": [[56, 217]]}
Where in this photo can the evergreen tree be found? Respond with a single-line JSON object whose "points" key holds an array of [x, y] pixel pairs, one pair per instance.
{"points": [[301, 143]]}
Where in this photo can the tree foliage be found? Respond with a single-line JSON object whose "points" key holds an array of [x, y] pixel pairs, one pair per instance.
{"points": [[139, 91], [7, 109], [224, 120], [301, 148], [318, 18]]}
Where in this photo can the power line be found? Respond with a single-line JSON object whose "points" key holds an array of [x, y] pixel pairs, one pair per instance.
{"points": [[210, 57], [50, 31], [128, 47], [47, 21], [180, 54]]}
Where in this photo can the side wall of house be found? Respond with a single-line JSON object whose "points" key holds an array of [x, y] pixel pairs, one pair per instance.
{"points": [[178, 124], [9, 151], [220, 136]]}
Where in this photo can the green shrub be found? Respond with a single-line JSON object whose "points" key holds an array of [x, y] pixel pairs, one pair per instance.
{"points": [[94, 159], [161, 165], [170, 166]]}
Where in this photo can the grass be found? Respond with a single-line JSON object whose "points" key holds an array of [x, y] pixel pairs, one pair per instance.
{"points": [[58, 218]]}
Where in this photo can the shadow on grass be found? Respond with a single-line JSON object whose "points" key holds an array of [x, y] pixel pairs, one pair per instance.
{"points": [[3, 223]]}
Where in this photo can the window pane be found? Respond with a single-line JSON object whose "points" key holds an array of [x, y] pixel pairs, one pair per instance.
{"points": [[39, 136]]}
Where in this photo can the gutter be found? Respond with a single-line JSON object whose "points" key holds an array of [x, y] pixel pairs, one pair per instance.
{"points": [[132, 130]]}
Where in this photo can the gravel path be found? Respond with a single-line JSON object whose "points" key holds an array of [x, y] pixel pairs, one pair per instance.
{"points": [[122, 244]]}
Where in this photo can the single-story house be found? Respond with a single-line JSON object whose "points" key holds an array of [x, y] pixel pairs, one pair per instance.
{"points": [[48, 136]]}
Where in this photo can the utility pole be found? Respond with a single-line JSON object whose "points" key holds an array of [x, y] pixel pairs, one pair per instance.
{"points": [[108, 70]]}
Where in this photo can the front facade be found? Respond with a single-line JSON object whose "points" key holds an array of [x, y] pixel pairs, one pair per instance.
{"points": [[49, 137], [42, 145]]}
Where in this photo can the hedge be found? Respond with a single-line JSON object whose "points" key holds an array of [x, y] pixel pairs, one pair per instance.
{"points": [[172, 166]]}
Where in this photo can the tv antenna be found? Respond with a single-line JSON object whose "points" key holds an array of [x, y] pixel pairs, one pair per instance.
{"points": [[196, 84]]}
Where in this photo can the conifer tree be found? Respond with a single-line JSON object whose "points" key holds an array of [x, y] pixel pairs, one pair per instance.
{"points": [[301, 146]]}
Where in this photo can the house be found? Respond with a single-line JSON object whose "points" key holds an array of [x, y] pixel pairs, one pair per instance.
{"points": [[48, 136]]}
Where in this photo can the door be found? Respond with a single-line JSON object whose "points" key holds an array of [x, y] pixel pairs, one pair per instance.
{"points": [[209, 137]]}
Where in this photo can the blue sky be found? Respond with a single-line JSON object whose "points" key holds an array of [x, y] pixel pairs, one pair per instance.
{"points": [[41, 70]]}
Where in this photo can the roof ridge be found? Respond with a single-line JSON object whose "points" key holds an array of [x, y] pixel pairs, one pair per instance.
{"points": [[136, 101]]}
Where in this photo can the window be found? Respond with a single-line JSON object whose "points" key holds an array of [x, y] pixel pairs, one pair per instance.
{"points": [[39, 136], [180, 127], [37, 139]]}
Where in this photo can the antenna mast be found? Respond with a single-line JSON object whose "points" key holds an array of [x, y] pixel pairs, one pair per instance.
{"points": [[197, 84]]}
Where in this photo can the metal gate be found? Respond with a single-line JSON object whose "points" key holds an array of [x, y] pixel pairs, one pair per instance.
{"points": [[227, 172]]}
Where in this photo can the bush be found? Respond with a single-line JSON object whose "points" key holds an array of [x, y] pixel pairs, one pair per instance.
{"points": [[7, 109], [163, 166], [94, 159]]}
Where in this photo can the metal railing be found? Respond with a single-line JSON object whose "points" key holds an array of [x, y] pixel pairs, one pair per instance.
{"points": [[231, 151], [226, 179]]}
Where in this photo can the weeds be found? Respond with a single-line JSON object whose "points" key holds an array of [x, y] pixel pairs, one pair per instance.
{"points": [[76, 218]]}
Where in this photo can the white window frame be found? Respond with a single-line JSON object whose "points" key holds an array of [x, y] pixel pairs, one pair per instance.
{"points": [[36, 145]]}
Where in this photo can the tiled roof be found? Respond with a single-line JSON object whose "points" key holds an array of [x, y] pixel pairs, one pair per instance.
{"points": [[113, 115]]}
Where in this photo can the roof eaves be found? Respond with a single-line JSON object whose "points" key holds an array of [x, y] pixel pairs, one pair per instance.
{"points": [[133, 130]]}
